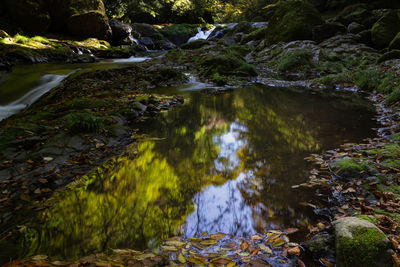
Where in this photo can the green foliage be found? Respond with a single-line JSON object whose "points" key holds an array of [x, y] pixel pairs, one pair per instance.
{"points": [[364, 249], [388, 83]]}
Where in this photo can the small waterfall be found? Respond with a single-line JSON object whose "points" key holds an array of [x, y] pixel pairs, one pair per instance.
{"points": [[201, 34], [133, 39], [46, 83]]}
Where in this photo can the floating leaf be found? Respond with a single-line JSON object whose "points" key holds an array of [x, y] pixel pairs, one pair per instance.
{"points": [[291, 230], [144, 256], [169, 248], [195, 239], [278, 243], [243, 254], [244, 246], [39, 257], [209, 242], [217, 236], [181, 258], [175, 243], [231, 264], [221, 260], [256, 237], [265, 248]]}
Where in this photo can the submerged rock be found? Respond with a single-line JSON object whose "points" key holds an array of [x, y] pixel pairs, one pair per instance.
{"points": [[360, 243]]}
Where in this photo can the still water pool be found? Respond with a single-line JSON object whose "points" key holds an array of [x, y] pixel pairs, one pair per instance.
{"points": [[222, 163]]}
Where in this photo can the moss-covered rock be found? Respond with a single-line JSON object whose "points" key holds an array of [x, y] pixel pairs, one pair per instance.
{"points": [[385, 29], [90, 24], [179, 33], [291, 20], [32, 16], [394, 54], [195, 44], [228, 64], [360, 243], [358, 13], [349, 168], [84, 18], [327, 30]]}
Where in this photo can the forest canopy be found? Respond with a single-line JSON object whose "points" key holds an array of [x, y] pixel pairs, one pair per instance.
{"points": [[188, 11]]}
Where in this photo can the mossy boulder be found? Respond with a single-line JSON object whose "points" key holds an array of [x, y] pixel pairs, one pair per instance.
{"points": [[327, 30], [349, 168], [85, 18], [195, 44], [121, 32], [32, 16], [291, 20], [358, 13], [360, 243], [90, 24], [395, 43], [179, 34], [228, 64], [385, 29]]}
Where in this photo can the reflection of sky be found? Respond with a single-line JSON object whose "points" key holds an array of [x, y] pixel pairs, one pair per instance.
{"points": [[222, 208]]}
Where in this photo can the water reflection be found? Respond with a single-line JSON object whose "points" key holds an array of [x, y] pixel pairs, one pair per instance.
{"points": [[224, 163]]}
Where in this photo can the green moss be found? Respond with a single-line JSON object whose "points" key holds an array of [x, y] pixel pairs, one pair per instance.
{"points": [[395, 137], [365, 249], [388, 83], [335, 79], [349, 167], [228, 64], [295, 60], [371, 219], [218, 79], [195, 44], [82, 103], [257, 34]]}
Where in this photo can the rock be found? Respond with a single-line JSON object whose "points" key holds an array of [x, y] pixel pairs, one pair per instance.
{"points": [[179, 34], [385, 29], [364, 37], [360, 243], [218, 32], [395, 43], [322, 245], [144, 30], [195, 44], [327, 30], [357, 13], [291, 20], [394, 54], [90, 24], [32, 16], [80, 17], [121, 32], [355, 28]]}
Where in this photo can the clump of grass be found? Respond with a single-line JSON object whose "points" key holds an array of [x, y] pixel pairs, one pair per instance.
{"points": [[367, 80], [83, 122], [394, 97]]}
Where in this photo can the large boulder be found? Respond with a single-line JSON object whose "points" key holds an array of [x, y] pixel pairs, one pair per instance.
{"points": [[291, 20], [121, 32], [358, 13], [359, 242], [32, 16], [327, 30], [85, 18], [385, 29]]}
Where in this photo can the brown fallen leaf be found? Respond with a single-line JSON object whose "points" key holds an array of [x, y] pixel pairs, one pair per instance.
{"points": [[295, 251], [396, 260], [326, 262], [244, 246], [300, 263], [291, 231]]}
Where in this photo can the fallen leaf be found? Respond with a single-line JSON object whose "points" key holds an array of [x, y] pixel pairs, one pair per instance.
{"points": [[256, 237], [244, 246], [295, 251], [209, 242], [181, 258], [300, 263], [291, 230], [217, 236], [326, 262], [265, 248]]}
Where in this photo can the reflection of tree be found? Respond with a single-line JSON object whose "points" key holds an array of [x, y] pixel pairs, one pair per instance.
{"points": [[134, 202]]}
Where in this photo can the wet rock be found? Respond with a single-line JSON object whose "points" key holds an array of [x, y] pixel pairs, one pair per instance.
{"points": [[218, 32], [179, 34], [355, 28], [327, 30], [358, 13], [139, 106], [121, 32], [364, 37], [322, 245], [385, 29], [360, 243]]}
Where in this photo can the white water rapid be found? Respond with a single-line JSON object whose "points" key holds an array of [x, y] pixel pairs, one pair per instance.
{"points": [[46, 83], [201, 34]]}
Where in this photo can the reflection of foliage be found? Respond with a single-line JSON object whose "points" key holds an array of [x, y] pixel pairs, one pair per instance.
{"points": [[140, 200]]}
